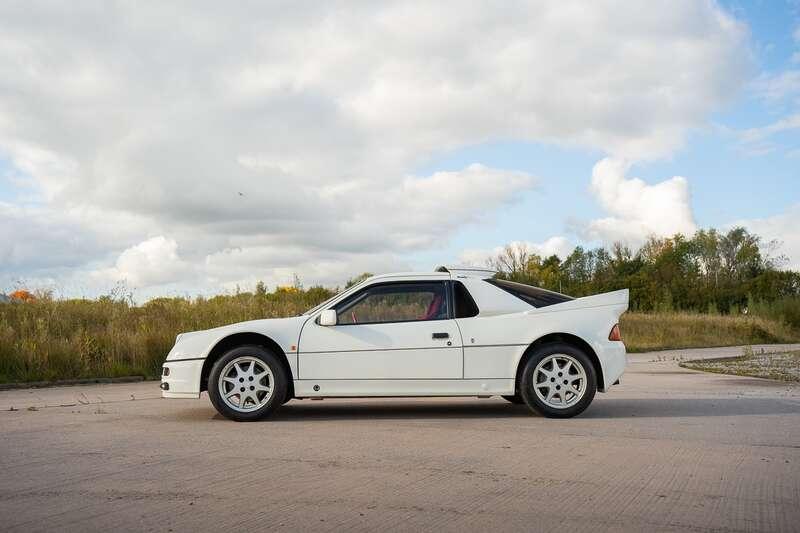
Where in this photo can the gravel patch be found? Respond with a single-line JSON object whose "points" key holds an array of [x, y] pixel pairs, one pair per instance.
{"points": [[783, 366]]}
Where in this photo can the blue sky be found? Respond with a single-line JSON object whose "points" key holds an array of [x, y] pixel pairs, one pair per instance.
{"points": [[727, 182], [349, 140]]}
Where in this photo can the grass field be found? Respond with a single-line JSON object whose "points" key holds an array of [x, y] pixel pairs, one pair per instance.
{"points": [[644, 332], [66, 339], [50, 339]]}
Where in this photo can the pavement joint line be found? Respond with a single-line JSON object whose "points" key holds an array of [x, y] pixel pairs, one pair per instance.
{"points": [[105, 402], [25, 385]]}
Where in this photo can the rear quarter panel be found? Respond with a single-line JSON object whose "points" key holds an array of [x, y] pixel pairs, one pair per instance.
{"points": [[494, 345]]}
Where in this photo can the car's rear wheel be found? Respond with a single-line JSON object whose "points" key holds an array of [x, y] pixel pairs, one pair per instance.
{"points": [[247, 383], [558, 381]]}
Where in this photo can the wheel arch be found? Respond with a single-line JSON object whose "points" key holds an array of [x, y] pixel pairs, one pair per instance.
{"points": [[565, 338], [243, 339]]}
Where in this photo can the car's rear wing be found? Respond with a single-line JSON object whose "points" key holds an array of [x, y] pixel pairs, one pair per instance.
{"points": [[617, 299]]}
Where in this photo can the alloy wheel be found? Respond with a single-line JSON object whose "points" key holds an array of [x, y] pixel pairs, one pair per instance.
{"points": [[559, 381], [246, 384]]}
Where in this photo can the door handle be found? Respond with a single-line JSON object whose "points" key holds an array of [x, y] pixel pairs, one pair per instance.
{"points": [[441, 335]]}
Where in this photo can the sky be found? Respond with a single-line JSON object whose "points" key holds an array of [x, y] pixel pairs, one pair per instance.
{"points": [[193, 148]]}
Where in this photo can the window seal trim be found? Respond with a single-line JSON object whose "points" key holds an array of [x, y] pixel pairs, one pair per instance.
{"points": [[469, 294], [400, 282], [451, 300]]}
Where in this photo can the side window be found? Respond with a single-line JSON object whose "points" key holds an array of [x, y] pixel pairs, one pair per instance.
{"points": [[395, 302], [465, 306]]}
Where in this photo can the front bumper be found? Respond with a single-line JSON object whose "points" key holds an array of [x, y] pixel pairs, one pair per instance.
{"points": [[181, 378]]}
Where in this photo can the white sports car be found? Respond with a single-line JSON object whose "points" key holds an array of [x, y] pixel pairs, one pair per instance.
{"points": [[452, 332]]}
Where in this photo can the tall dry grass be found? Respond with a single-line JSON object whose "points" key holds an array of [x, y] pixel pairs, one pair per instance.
{"points": [[66, 339], [52, 339], [663, 331]]}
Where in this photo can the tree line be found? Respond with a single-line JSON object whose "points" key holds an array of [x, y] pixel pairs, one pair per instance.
{"points": [[711, 271]]}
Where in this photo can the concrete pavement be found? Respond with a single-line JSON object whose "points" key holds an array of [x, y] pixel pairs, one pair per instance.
{"points": [[669, 449]]}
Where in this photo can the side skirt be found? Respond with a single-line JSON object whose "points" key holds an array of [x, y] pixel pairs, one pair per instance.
{"points": [[343, 388]]}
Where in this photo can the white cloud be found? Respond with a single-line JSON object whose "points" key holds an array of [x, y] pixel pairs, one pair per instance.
{"points": [[437, 204], [39, 239], [754, 135], [243, 267], [759, 141], [782, 92], [637, 209], [154, 261], [269, 126], [777, 87], [559, 246], [781, 228]]}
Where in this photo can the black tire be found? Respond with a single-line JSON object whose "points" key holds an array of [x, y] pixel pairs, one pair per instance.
{"points": [[537, 405], [279, 384], [514, 399]]}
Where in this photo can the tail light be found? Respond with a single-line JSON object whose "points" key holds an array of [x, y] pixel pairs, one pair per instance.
{"points": [[615, 334]]}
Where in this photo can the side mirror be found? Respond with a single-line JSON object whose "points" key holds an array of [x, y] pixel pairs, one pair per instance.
{"points": [[327, 318]]}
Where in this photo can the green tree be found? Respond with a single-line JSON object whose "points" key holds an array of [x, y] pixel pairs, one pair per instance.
{"points": [[707, 271]]}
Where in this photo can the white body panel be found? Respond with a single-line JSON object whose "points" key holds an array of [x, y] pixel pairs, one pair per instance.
{"points": [[184, 379], [187, 356], [494, 344], [403, 358], [400, 350]]}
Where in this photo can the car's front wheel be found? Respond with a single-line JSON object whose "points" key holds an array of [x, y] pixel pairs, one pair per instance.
{"points": [[558, 381], [247, 383]]}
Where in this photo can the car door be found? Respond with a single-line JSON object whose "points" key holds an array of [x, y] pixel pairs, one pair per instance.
{"points": [[389, 330]]}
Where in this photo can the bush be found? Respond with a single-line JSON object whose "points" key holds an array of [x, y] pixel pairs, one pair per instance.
{"points": [[786, 309]]}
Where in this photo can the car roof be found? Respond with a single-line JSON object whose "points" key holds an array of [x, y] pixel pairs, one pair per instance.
{"points": [[441, 272]]}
